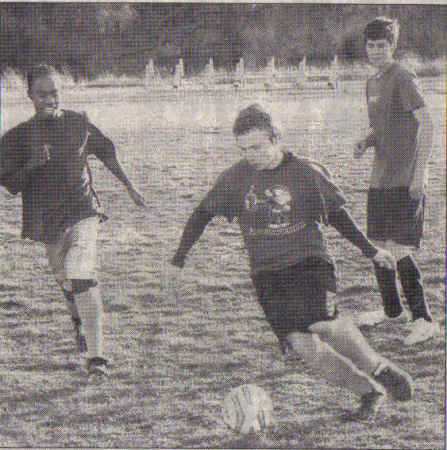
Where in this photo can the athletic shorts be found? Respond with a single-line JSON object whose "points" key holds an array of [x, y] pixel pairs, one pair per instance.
{"points": [[393, 214], [74, 254], [296, 297]]}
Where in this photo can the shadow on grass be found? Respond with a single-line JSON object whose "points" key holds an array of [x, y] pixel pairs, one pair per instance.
{"points": [[355, 290], [284, 435], [11, 304]]}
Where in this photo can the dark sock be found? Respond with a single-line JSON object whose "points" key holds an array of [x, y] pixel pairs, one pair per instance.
{"points": [[386, 280], [68, 295], [72, 306], [411, 279]]}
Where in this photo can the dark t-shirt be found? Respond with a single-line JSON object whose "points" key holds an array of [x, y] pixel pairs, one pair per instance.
{"points": [[59, 193], [280, 211], [392, 96]]}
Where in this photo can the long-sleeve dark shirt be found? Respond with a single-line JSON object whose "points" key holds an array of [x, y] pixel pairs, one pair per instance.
{"points": [[284, 228]]}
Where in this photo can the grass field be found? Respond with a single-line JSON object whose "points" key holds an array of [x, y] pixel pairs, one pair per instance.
{"points": [[175, 359]]}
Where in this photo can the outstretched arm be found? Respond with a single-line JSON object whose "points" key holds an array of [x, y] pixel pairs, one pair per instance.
{"points": [[115, 167], [193, 230], [102, 147], [345, 225]]}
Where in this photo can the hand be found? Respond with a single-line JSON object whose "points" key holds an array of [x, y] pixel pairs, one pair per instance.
{"points": [[360, 148], [137, 198], [385, 259], [417, 187], [39, 156], [171, 280]]}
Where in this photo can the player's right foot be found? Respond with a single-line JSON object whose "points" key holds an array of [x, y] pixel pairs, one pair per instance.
{"points": [[370, 405], [97, 366], [80, 341], [422, 330], [397, 383]]}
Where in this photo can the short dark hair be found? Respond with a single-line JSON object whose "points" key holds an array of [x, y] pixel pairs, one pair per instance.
{"points": [[253, 117], [41, 70], [382, 28]]}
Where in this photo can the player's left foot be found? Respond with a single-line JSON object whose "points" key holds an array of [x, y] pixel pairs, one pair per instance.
{"points": [[370, 405], [398, 383], [97, 366], [422, 330]]}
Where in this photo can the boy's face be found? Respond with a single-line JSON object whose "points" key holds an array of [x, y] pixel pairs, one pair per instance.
{"points": [[44, 95], [256, 147], [379, 52]]}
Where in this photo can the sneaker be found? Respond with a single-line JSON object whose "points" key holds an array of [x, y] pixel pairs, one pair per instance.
{"points": [[80, 341], [422, 330], [370, 405], [397, 383], [371, 318], [97, 366]]}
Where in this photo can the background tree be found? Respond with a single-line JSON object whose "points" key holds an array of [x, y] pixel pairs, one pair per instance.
{"points": [[89, 39]]}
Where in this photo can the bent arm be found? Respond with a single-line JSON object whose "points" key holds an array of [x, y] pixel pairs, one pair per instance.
{"points": [[193, 230], [16, 181], [345, 225]]}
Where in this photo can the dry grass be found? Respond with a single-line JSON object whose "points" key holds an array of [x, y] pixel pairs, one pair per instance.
{"points": [[175, 359]]}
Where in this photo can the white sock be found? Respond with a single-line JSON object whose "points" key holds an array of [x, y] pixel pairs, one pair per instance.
{"points": [[90, 309]]}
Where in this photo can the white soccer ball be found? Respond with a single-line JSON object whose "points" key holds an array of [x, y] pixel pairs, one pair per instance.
{"points": [[248, 409]]}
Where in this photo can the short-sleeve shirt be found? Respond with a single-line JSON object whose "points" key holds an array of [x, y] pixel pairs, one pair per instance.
{"points": [[392, 97], [280, 211], [59, 193]]}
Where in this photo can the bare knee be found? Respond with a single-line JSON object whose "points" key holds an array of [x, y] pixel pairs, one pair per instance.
{"points": [[328, 328], [379, 244], [308, 346], [397, 250]]}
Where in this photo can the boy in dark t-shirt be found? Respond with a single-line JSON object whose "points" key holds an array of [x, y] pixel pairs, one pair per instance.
{"points": [[45, 158], [401, 134], [281, 202]]}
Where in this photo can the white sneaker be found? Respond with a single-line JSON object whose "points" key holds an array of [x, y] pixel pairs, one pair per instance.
{"points": [[422, 330], [371, 318]]}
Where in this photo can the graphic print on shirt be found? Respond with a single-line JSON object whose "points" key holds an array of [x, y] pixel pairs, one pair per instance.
{"points": [[269, 210]]}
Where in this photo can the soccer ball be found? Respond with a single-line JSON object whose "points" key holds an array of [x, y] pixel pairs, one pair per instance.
{"points": [[248, 409]]}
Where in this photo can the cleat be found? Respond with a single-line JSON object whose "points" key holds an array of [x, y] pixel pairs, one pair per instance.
{"points": [[97, 366], [371, 318], [397, 383], [370, 405], [422, 330], [80, 341]]}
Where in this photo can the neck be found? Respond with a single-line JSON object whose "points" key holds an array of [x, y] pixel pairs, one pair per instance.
{"points": [[277, 157], [384, 67]]}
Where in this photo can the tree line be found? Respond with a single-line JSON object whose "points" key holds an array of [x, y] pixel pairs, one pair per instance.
{"points": [[89, 39]]}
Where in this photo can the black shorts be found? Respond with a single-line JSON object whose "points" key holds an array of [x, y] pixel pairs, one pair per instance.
{"points": [[296, 297], [393, 214]]}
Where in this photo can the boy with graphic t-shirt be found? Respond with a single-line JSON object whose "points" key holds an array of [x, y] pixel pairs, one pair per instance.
{"points": [[401, 133], [281, 202], [45, 158]]}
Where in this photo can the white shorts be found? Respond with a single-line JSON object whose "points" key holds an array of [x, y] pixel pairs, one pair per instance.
{"points": [[74, 255]]}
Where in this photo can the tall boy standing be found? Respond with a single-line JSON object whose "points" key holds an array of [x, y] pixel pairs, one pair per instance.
{"points": [[401, 133]]}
